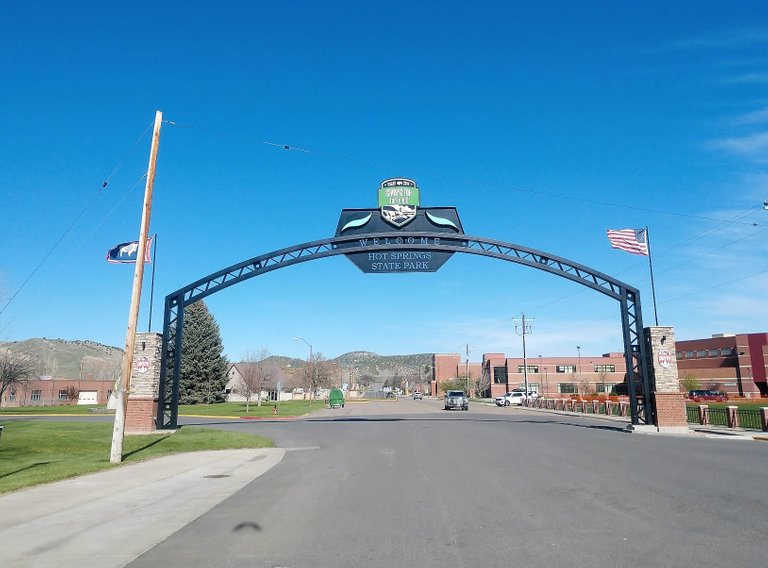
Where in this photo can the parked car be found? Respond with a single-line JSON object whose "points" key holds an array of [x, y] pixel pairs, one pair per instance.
{"points": [[510, 398], [531, 393], [707, 395], [417, 395], [456, 399]]}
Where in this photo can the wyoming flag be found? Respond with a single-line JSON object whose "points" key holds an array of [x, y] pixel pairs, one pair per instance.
{"points": [[127, 253]]}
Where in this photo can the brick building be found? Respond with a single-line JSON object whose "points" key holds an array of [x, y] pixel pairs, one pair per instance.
{"points": [[549, 376], [734, 363], [49, 392]]}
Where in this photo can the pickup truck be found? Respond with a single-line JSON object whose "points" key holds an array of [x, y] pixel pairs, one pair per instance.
{"points": [[456, 399]]}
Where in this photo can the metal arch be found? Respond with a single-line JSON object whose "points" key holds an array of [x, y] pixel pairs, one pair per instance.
{"points": [[627, 296]]}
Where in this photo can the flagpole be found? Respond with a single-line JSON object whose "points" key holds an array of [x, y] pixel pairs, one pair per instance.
{"points": [[152, 287], [118, 433], [650, 266]]}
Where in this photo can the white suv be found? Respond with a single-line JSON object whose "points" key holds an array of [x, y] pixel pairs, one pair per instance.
{"points": [[510, 398]]}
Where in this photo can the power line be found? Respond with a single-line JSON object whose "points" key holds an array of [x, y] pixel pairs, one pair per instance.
{"points": [[447, 177], [109, 214], [672, 248], [77, 218]]}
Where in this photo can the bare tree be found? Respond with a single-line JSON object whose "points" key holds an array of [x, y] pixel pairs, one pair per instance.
{"points": [[323, 372], [257, 375], [73, 394], [483, 383], [15, 371]]}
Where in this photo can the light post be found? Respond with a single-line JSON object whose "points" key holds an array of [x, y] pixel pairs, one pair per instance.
{"points": [[311, 365], [523, 330], [578, 366], [540, 381], [466, 369]]}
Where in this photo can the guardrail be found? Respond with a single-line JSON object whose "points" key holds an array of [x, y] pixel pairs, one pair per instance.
{"points": [[606, 407], [729, 416]]}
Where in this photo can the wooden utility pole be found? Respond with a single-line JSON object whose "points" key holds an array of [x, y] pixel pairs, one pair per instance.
{"points": [[118, 432]]}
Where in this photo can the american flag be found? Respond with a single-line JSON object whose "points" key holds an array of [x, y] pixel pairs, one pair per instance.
{"points": [[629, 240]]}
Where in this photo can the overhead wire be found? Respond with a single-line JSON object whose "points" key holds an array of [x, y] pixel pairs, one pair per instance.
{"points": [[448, 177], [90, 234], [735, 220], [68, 229]]}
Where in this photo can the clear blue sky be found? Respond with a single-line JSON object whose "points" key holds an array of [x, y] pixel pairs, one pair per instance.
{"points": [[544, 124]]}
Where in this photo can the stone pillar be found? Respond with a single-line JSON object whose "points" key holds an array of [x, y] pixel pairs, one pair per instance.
{"points": [[662, 363], [145, 383]]}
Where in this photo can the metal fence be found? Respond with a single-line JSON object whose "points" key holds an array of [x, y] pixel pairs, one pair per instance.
{"points": [[747, 418]]}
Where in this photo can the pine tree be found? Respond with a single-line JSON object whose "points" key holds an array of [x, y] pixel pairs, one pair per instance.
{"points": [[203, 372]]}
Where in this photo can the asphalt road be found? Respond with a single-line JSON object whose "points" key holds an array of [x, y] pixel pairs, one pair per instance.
{"points": [[408, 484]]}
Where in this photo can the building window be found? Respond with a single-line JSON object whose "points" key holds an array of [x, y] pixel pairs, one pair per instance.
{"points": [[605, 368], [531, 368], [701, 353], [726, 351], [533, 387], [500, 375], [566, 388], [36, 395], [679, 355], [565, 369], [689, 354], [602, 388], [12, 396], [714, 352], [63, 395]]}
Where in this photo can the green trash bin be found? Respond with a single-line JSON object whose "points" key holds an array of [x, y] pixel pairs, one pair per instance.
{"points": [[336, 398]]}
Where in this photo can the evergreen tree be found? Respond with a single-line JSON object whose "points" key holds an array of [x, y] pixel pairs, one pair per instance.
{"points": [[203, 372]]}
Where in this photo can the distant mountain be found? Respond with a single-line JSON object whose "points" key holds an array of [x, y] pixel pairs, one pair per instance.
{"points": [[70, 359], [369, 363]]}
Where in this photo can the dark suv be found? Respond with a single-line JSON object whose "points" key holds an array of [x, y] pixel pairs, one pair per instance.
{"points": [[707, 395], [456, 399]]}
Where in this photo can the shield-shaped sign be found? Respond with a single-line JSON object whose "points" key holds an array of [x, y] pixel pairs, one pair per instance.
{"points": [[142, 364], [665, 359], [398, 201]]}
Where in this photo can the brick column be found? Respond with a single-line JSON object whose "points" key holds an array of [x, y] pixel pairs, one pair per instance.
{"points": [[145, 382], [662, 363]]}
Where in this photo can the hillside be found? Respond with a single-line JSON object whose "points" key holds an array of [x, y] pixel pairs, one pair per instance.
{"points": [[70, 359], [369, 363]]}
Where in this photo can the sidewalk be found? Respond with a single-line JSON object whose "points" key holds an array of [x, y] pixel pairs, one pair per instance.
{"points": [[107, 519]]}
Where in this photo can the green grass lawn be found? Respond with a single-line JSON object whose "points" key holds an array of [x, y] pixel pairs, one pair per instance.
{"points": [[35, 451], [56, 409], [287, 408], [751, 404]]}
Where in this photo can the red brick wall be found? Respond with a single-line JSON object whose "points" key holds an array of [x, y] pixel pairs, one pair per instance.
{"points": [[670, 409], [140, 417]]}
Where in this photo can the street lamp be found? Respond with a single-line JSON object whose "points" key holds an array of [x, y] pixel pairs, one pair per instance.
{"points": [[466, 369], [311, 365], [578, 367], [540, 382]]}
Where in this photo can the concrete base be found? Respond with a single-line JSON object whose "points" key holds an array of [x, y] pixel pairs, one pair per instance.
{"points": [[149, 432], [651, 429], [642, 428]]}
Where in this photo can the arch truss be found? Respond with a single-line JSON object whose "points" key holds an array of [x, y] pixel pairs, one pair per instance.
{"points": [[638, 378]]}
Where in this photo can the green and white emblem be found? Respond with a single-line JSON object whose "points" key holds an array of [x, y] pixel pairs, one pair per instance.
{"points": [[398, 201]]}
